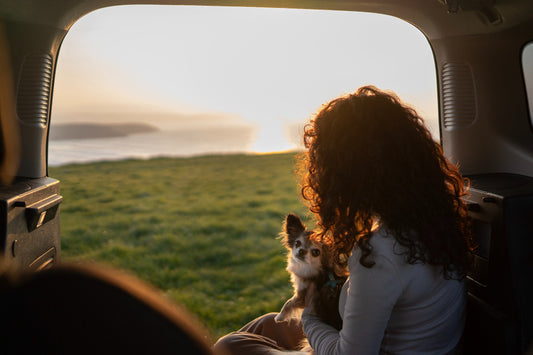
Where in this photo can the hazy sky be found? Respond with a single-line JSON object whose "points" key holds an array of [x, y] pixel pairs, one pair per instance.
{"points": [[270, 68]]}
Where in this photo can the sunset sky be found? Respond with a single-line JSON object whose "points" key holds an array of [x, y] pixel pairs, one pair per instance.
{"points": [[269, 68]]}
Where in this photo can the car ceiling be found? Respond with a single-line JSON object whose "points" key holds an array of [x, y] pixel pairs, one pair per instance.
{"points": [[436, 18]]}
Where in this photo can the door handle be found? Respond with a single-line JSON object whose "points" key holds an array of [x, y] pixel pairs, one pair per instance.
{"points": [[43, 211]]}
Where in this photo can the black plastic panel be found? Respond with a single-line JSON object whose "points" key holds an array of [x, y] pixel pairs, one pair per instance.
{"points": [[500, 287], [29, 215]]}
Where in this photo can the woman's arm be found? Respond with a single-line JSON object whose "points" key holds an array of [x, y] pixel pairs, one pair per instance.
{"points": [[371, 296]]}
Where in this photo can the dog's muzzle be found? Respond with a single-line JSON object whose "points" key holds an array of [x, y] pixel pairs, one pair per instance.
{"points": [[301, 254]]}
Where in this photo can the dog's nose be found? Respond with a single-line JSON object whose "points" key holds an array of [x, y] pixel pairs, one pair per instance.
{"points": [[301, 252]]}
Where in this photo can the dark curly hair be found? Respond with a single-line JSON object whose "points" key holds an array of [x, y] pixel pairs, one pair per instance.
{"points": [[370, 159]]}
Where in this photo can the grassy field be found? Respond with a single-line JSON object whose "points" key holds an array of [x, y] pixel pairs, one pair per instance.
{"points": [[203, 230]]}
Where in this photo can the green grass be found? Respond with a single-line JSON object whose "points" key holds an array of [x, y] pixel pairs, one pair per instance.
{"points": [[203, 230]]}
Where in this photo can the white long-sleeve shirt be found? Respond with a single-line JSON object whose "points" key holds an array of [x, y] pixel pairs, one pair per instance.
{"points": [[392, 308]]}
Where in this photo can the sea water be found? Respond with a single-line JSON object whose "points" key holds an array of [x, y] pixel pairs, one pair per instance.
{"points": [[173, 143]]}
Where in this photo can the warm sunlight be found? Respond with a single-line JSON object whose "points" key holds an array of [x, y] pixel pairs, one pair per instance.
{"points": [[259, 73]]}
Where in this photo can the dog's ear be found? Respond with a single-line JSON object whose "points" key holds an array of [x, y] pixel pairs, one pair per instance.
{"points": [[293, 225]]}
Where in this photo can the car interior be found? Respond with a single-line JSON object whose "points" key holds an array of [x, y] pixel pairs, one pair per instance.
{"points": [[485, 117]]}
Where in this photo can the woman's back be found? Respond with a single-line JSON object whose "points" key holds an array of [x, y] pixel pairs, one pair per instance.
{"points": [[394, 307], [428, 311]]}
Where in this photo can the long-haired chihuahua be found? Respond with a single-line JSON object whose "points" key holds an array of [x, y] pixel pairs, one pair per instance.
{"points": [[309, 261]]}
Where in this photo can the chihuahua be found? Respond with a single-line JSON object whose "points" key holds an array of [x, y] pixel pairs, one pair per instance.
{"points": [[309, 261]]}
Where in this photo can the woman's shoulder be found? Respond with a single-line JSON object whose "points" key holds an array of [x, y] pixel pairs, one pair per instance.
{"points": [[384, 245], [385, 248]]}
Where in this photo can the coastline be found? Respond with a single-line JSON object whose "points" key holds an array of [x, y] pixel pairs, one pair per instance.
{"points": [[71, 131]]}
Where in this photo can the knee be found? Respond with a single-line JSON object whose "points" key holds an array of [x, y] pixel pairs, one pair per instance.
{"points": [[270, 318], [244, 343], [223, 345]]}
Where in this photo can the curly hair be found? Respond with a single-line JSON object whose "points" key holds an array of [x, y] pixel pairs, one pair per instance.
{"points": [[371, 159]]}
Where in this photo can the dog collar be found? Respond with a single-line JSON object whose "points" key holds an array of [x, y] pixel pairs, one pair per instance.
{"points": [[332, 282]]}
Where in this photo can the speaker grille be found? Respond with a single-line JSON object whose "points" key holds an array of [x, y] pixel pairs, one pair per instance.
{"points": [[34, 88], [458, 95]]}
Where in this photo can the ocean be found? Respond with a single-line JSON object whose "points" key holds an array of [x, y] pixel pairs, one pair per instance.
{"points": [[169, 143]]}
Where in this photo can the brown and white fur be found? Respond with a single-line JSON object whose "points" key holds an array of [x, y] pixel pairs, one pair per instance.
{"points": [[308, 261]]}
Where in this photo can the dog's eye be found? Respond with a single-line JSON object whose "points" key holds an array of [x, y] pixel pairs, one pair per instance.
{"points": [[297, 244], [315, 252]]}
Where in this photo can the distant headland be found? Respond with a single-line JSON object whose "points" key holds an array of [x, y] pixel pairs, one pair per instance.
{"points": [[64, 131]]}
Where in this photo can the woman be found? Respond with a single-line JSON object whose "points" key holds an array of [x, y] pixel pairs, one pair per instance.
{"points": [[390, 205]]}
